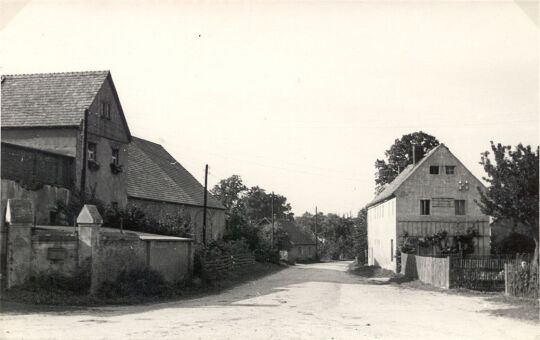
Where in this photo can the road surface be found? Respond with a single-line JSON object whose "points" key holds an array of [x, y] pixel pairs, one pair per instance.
{"points": [[317, 301]]}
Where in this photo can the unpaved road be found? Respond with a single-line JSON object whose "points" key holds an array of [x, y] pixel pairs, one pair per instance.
{"points": [[318, 301]]}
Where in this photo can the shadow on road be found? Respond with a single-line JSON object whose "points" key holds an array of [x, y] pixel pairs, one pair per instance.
{"points": [[333, 272]]}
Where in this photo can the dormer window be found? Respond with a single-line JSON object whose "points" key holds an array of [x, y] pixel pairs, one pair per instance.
{"points": [[434, 170], [105, 110], [450, 169]]}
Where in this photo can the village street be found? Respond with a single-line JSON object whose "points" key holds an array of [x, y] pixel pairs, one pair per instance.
{"points": [[317, 301]]}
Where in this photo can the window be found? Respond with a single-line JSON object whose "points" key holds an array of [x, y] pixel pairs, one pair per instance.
{"points": [[115, 158], [434, 170], [424, 207], [392, 250], [459, 207], [114, 205], [92, 151], [106, 110], [450, 169]]}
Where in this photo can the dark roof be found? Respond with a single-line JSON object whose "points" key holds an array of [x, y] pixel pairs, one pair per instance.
{"points": [[389, 190], [296, 234], [155, 175], [48, 99]]}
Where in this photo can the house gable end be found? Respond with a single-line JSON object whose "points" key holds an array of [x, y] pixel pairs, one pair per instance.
{"points": [[106, 116]]}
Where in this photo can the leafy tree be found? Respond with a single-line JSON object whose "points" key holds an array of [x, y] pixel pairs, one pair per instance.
{"points": [[258, 205], [513, 190], [400, 155], [229, 191]]}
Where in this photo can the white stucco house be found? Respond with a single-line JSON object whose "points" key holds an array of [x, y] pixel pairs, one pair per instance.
{"points": [[436, 193]]}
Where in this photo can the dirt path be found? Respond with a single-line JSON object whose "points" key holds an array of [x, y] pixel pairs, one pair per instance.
{"points": [[319, 301]]}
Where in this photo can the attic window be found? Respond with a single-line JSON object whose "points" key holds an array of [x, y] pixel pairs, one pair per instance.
{"points": [[105, 110], [450, 169], [434, 170]]}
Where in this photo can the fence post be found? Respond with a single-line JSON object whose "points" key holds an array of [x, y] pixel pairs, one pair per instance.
{"points": [[19, 220], [506, 279], [89, 224]]}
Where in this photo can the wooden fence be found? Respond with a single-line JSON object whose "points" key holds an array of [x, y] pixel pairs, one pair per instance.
{"points": [[431, 270], [521, 280], [484, 273], [220, 266]]}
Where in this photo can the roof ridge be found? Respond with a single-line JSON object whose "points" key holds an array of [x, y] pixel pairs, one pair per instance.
{"points": [[20, 75]]}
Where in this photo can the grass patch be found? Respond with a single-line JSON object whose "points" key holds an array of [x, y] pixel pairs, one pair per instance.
{"points": [[516, 308], [122, 294], [371, 271]]}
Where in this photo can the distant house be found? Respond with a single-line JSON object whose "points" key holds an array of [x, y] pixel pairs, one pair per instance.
{"points": [[58, 118], [302, 243], [437, 193], [161, 187]]}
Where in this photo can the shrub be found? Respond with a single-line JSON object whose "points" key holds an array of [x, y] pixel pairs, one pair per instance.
{"points": [[78, 283], [136, 282]]}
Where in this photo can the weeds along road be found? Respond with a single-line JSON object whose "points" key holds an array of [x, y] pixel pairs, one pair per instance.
{"points": [[316, 301]]}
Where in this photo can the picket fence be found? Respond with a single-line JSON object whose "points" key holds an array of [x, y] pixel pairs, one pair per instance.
{"points": [[220, 266]]}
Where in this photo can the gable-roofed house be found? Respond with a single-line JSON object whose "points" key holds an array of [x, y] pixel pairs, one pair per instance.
{"points": [[301, 242], [161, 187], [435, 194], [73, 116]]}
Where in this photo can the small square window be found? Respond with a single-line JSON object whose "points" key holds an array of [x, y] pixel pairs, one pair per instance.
{"points": [[459, 207], [115, 157], [450, 169], [92, 149], [424, 207], [434, 170]]}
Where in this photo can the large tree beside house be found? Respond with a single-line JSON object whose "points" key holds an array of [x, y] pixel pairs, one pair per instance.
{"points": [[513, 191], [400, 155]]}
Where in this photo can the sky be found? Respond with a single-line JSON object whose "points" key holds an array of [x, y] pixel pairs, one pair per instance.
{"points": [[299, 98]]}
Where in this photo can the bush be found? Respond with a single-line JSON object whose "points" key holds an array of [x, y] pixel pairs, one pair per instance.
{"points": [[136, 282], [78, 283]]}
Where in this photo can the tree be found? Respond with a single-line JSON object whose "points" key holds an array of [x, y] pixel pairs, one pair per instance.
{"points": [[400, 155], [229, 191], [513, 190], [258, 205]]}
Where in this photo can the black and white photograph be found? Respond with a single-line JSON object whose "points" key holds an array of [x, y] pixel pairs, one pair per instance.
{"points": [[296, 169]]}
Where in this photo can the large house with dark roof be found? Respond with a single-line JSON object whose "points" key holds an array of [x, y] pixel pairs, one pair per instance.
{"points": [[66, 133], [76, 115], [435, 194], [160, 186]]}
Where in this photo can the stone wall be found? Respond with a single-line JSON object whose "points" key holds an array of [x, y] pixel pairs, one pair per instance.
{"points": [[32, 251], [43, 199], [54, 252]]}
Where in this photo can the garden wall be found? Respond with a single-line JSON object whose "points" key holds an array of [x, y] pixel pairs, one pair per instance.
{"points": [[37, 250]]}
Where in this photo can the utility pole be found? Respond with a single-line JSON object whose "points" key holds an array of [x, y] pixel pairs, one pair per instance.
{"points": [[84, 158], [205, 203], [272, 210], [316, 236]]}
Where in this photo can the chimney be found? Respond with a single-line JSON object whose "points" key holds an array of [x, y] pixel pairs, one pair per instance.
{"points": [[417, 153]]}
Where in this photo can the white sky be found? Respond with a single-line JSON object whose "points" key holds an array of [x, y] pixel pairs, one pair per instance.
{"points": [[299, 98]]}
